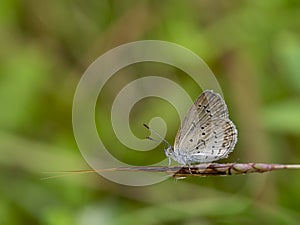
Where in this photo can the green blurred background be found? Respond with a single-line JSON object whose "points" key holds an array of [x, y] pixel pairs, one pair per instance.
{"points": [[253, 48]]}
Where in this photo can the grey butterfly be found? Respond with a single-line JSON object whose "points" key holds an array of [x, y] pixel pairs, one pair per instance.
{"points": [[206, 133]]}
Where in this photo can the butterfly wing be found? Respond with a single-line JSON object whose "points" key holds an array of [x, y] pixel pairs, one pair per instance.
{"points": [[206, 133], [207, 106], [212, 143]]}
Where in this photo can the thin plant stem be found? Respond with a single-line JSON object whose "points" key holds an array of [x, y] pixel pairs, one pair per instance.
{"points": [[199, 170]]}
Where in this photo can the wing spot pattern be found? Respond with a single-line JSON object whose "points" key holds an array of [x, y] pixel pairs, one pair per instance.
{"points": [[206, 133]]}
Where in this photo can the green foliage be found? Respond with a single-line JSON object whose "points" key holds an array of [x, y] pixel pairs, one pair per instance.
{"points": [[253, 48]]}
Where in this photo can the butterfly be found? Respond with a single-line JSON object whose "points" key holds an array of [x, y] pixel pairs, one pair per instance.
{"points": [[206, 133]]}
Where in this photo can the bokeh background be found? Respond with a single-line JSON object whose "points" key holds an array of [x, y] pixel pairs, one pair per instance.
{"points": [[253, 48]]}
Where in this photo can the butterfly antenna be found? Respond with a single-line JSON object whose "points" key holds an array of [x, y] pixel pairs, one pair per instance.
{"points": [[157, 134], [152, 139]]}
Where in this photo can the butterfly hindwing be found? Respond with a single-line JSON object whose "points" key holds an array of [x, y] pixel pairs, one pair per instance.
{"points": [[211, 143]]}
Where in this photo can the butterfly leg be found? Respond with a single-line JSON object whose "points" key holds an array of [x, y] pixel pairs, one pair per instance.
{"points": [[189, 166]]}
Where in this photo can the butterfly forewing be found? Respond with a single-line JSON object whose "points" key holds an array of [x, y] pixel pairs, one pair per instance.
{"points": [[208, 106]]}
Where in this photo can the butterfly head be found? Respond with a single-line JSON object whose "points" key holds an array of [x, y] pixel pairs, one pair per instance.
{"points": [[169, 151], [171, 154]]}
